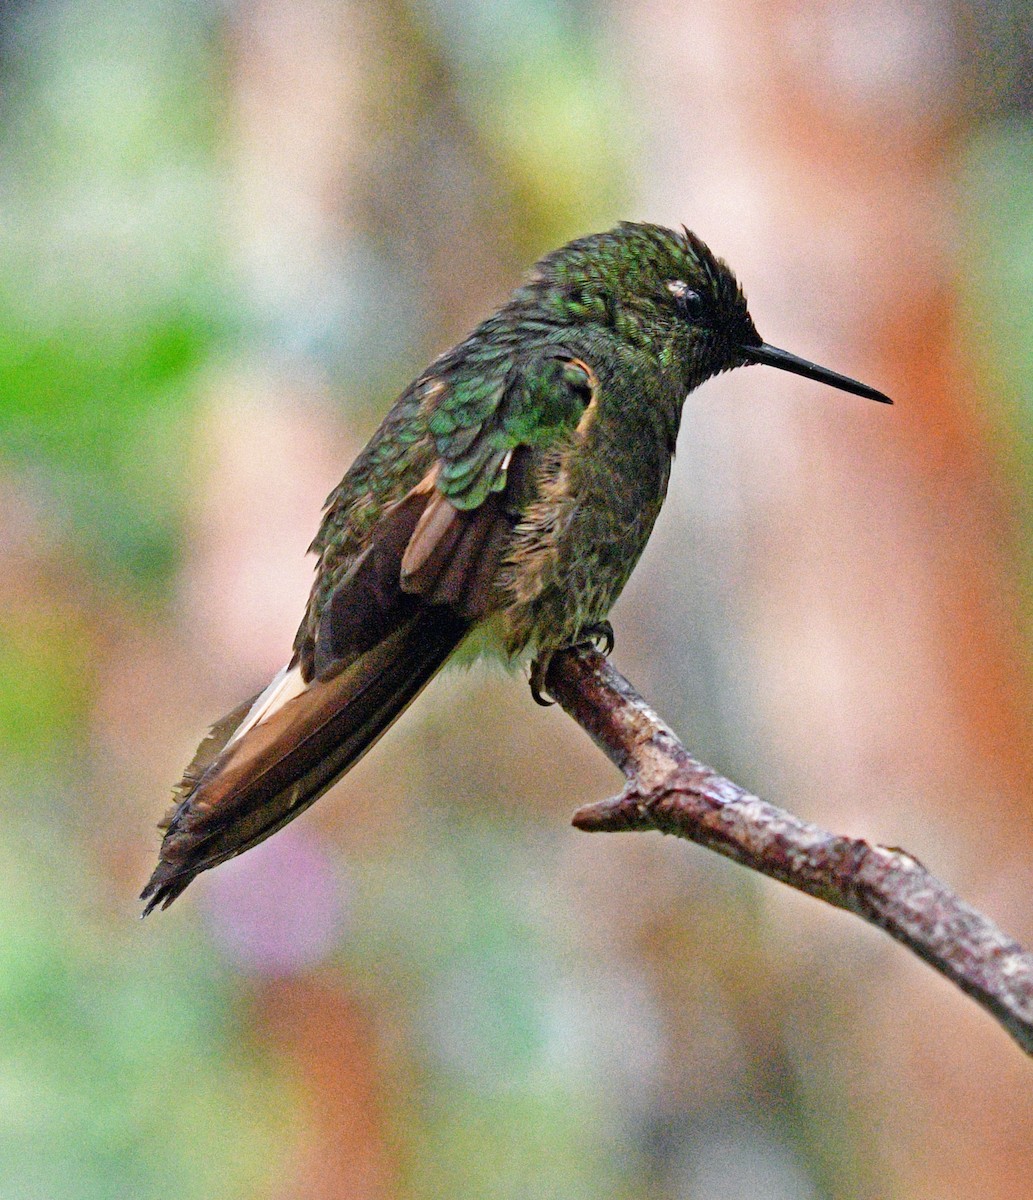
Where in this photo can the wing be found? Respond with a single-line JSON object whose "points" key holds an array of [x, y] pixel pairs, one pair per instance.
{"points": [[388, 616]]}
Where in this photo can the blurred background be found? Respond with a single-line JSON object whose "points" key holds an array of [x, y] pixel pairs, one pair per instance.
{"points": [[231, 232]]}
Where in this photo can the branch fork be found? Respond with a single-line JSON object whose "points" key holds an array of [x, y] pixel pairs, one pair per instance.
{"points": [[669, 791]]}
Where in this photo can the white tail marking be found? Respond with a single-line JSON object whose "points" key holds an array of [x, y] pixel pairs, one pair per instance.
{"points": [[287, 685]]}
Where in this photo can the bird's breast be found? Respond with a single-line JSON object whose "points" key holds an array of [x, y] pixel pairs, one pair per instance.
{"points": [[594, 504]]}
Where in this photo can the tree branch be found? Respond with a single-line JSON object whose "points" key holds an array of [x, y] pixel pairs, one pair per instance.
{"points": [[669, 791]]}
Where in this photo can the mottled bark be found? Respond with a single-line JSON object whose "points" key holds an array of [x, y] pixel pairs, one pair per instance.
{"points": [[669, 791]]}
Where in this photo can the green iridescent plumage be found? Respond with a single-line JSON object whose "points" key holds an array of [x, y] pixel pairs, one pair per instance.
{"points": [[506, 498]]}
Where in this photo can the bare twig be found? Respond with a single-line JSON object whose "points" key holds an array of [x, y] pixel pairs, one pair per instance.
{"points": [[669, 791]]}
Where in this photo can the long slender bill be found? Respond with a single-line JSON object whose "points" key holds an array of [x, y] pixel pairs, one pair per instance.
{"points": [[771, 356]]}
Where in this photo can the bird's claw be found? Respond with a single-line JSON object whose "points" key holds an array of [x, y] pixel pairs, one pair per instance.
{"points": [[539, 669], [599, 636]]}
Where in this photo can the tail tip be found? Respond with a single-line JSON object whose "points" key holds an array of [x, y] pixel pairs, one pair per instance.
{"points": [[163, 887]]}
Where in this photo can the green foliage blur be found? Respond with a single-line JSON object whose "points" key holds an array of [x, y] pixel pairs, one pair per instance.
{"points": [[133, 1063], [997, 271], [112, 302], [110, 286], [127, 1068]]}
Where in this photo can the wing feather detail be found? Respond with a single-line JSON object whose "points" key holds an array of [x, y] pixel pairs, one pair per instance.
{"points": [[399, 585], [382, 636], [286, 762]]}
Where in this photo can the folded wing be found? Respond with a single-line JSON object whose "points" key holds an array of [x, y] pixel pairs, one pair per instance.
{"points": [[401, 610]]}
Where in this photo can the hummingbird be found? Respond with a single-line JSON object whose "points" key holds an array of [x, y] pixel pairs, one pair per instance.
{"points": [[501, 505]]}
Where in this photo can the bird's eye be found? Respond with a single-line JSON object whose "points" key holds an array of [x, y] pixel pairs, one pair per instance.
{"points": [[690, 304]]}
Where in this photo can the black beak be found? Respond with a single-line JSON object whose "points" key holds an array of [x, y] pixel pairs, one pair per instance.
{"points": [[771, 356]]}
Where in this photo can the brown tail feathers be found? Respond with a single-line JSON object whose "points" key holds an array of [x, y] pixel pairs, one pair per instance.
{"points": [[238, 791]]}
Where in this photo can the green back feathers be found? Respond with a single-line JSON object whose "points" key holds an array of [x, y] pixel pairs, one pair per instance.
{"points": [[619, 279], [511, 382]]}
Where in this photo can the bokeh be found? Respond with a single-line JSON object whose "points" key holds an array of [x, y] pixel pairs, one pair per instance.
{"points": [[231, 232]]}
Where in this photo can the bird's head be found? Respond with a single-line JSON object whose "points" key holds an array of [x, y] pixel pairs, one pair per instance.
{"points": [[665, 291]]}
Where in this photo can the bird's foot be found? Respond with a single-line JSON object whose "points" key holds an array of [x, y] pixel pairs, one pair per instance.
{"points": [[539, 669], [599, 636]]}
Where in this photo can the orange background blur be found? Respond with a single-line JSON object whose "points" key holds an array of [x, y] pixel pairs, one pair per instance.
{"points": [[231, 233]]}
